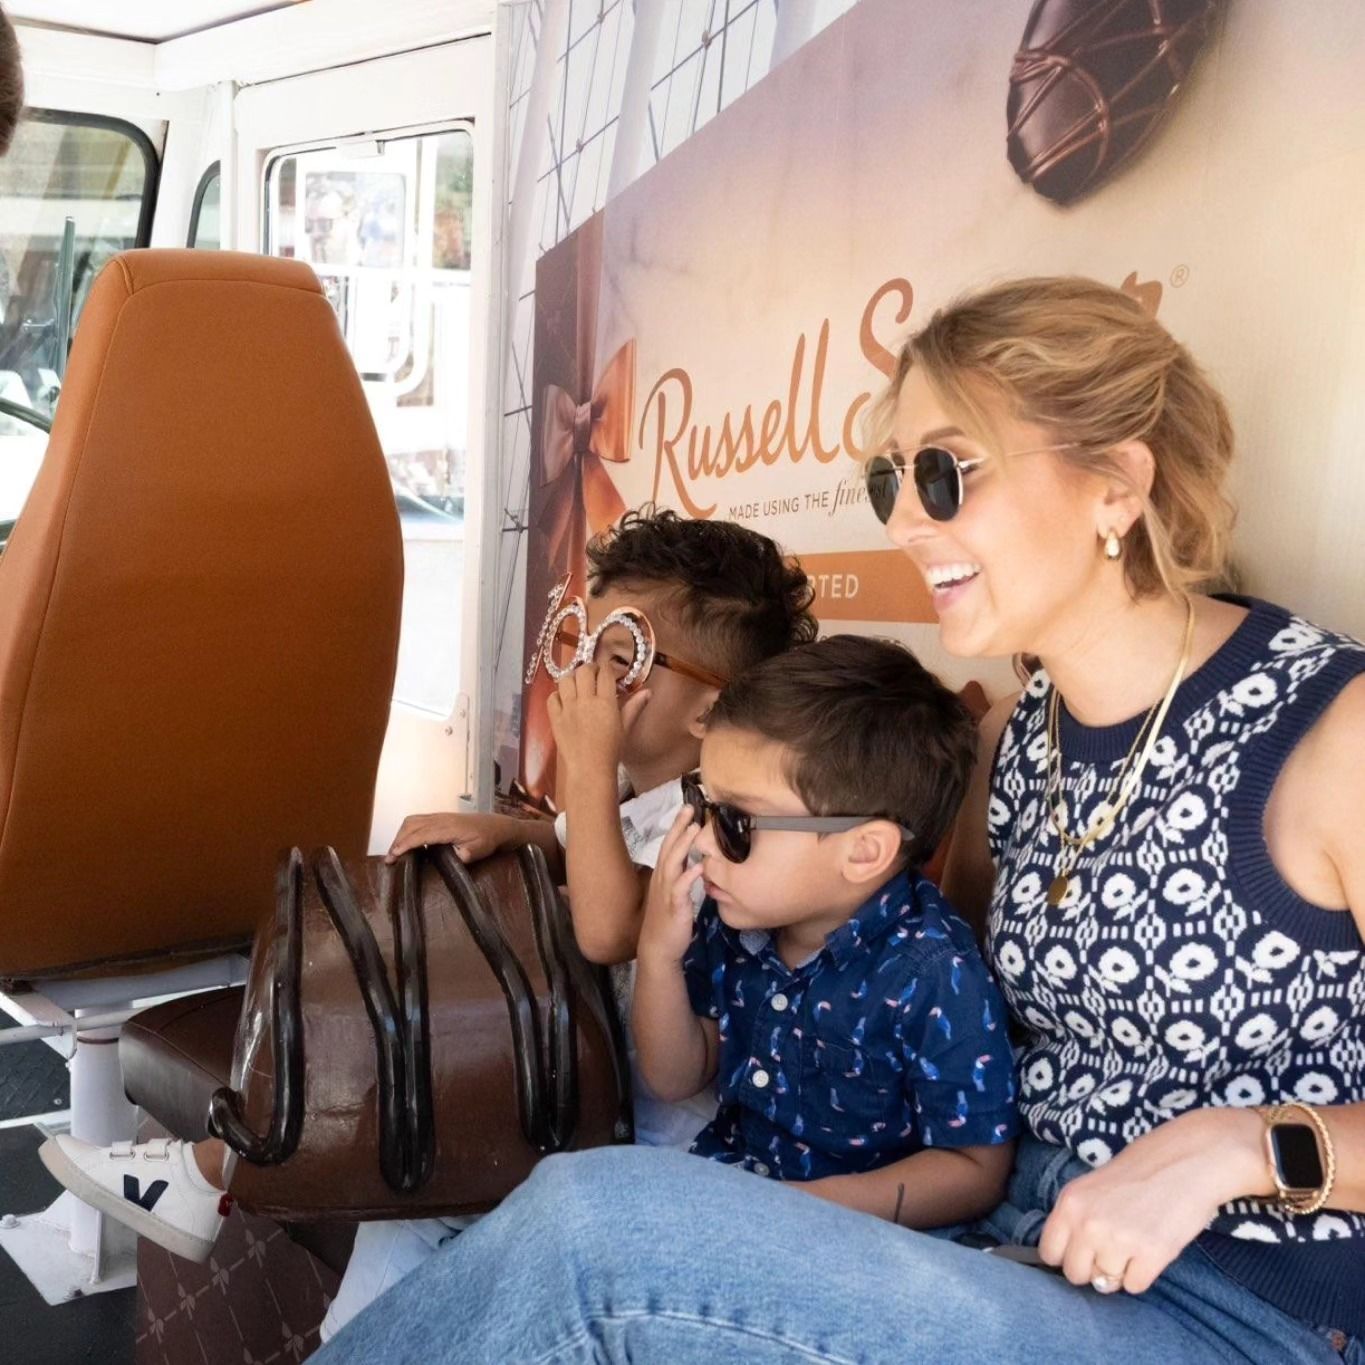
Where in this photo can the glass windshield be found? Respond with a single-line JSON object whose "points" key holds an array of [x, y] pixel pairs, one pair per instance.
{"points": [[74, 191]]}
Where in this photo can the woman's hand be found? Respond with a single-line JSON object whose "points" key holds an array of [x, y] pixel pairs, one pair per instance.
{"points": [[1128, 1220], [590, 722], [666, 932], [474, 836]]}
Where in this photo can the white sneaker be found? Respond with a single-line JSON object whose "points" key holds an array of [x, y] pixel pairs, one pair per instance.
{"points": [[156, 1188]]}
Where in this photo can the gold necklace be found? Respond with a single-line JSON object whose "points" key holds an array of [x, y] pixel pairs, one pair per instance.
{"points": [[1124, 785]]}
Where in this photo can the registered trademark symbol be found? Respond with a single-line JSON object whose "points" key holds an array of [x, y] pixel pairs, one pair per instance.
{"points": [[1179, 275]]}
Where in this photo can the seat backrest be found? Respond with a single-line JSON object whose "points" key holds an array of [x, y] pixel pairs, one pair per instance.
{"points": [[199, 616]]}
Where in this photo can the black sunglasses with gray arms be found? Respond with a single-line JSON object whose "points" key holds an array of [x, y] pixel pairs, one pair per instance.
{"points": [[735, 828]]}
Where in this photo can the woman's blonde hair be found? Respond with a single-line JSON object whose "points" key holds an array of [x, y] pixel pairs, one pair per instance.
{"points": [[1088, 364]]}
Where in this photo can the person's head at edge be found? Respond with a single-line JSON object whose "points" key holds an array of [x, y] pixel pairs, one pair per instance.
{"points": [[11, 83], [1089, 421]]}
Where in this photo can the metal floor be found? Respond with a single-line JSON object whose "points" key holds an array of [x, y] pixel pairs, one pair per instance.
{"points": [[33, 1080], [98, 1329]]}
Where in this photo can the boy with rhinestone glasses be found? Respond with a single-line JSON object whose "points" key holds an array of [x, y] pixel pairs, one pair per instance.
{"points": [[709, 599], [854, 1035]]}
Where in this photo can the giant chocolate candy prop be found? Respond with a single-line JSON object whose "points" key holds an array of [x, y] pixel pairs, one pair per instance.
{"points": [[1091, 82], [414, 1038]]}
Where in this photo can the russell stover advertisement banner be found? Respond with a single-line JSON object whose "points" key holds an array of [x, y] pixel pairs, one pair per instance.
{"points": [[712, 339]]}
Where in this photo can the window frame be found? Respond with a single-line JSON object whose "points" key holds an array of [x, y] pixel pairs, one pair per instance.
{"points": [[272, 158], [214, 168], [151, 186]]}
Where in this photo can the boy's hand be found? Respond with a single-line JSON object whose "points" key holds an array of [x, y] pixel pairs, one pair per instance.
{"points": [[666, 932], [474, 836], [589, 720]]}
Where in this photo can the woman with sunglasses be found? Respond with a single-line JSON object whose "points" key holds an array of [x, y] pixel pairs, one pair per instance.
{"points": [[1164, 840]]}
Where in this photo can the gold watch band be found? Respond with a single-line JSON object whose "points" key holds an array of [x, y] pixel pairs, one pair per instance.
{"points": [[1289, 1112]]}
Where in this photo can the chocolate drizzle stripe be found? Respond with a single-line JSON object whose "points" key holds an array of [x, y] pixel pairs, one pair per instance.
{"points": [[561, 1074], [226, 1117], [527, 1055], [401, 1159], [1079, 135], [589, 982], [410, 961]]}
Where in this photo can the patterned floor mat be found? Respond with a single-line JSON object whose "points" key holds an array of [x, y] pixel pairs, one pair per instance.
{"points": [[33, 1079]]}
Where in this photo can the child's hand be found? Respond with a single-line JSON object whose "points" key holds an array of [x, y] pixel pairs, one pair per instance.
{"points": [[666, 932], [589, 720], [474, 836]]}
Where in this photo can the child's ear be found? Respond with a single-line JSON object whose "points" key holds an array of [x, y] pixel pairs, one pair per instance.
{"points": [[873, 851], [696, 727]]}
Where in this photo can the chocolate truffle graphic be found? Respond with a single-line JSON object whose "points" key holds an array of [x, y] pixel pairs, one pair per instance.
{"points": [[1091, 82]]}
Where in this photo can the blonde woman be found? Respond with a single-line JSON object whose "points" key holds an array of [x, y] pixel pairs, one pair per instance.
{"points": [[1165, 842]]}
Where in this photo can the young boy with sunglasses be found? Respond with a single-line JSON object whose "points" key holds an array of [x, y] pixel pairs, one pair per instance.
{"points": [[674, 608], [854, 1034]]}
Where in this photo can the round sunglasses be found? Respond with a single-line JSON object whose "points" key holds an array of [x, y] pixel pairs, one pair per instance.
{"points": [[734, 828], [624, 642], [938, 475]]}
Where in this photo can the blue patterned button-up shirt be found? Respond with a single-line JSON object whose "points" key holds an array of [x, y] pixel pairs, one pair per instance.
{"points": [[889, 1040]]}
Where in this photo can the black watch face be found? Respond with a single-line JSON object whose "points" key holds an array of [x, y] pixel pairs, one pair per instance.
{"points": [[1296, 1155]]}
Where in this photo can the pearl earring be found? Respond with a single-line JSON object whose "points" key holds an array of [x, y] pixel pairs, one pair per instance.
{"points": [[1113, 546]]}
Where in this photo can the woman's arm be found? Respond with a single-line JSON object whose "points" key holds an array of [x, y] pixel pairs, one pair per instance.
{"points": [[932, 1188], [1143, 1208], [1315, 828]]}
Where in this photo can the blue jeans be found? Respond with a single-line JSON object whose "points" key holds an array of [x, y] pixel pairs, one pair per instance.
{"points": [[630, 1254]]}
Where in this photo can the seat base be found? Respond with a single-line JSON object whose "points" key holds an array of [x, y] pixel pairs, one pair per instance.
{"points": [[40, 1245]]}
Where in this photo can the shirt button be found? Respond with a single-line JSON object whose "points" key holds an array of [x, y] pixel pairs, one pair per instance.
{"points": [[780, 1002], [761, 1169], [761, 1079]]}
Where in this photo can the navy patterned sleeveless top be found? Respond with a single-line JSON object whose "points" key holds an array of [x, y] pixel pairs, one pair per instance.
{"points": [[1180, 970]]}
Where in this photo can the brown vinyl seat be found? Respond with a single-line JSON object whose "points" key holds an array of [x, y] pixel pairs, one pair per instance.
{"points": [[176, 1054], [199, 616]]}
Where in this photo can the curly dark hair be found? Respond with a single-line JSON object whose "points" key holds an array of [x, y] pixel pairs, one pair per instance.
{"points": [[11, 82], [731, 588], [868, 731]]}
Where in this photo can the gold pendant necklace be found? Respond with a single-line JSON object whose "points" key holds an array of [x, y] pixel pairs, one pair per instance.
{"points": [[1125, 784]]}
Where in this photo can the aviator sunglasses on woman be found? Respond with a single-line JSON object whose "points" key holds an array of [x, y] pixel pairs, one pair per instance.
{"points": [[938, 477], [734, 828]]}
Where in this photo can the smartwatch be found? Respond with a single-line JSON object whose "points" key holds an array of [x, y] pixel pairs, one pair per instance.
{"points": [[1299, 1166]]}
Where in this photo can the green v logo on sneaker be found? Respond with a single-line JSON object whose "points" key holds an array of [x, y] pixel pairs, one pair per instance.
{"points": [[132, 1190]]}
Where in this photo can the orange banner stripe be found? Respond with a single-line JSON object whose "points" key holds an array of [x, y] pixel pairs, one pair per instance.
{"points": [[868, 585]]}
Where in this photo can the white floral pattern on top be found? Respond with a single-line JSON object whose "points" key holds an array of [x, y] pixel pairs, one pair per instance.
{"points": [[1178, 971]]}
